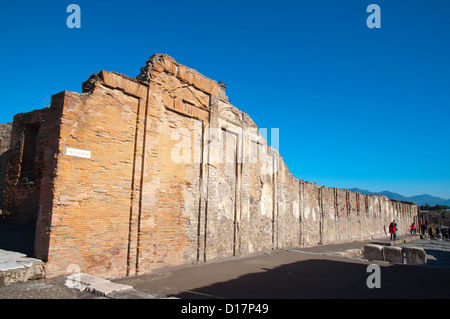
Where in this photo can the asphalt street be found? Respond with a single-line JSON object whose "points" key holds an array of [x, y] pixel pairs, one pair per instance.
{"points": [[314, 273]]}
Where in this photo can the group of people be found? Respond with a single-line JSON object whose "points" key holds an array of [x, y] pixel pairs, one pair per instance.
{"points": [[433, 234], [438, 233]]}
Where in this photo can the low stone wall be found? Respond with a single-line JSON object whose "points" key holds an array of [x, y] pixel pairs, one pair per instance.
{"points": [[397, 255]]}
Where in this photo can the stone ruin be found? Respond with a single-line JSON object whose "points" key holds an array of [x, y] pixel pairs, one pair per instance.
{"points": [[136, 174]]}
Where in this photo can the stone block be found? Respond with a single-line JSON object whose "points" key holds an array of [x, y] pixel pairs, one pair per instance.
{"points": [[85, 279], [373, 252], [415, 256], [22, 274], [393, 254], [94, 284], [105, 288]]}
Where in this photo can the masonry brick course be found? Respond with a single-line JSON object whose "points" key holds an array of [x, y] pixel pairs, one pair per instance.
{"points": [[167, 176]]}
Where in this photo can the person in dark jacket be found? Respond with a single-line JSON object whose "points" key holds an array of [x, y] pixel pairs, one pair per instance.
{"points": [[424, 229], [438, 232], [430, 232]]}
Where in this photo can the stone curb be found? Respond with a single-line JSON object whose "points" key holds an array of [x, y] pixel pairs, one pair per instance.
{"points": [[393, 254], [404, 240], [350, 253], [415, 255], [398, 255], [373, 252]]}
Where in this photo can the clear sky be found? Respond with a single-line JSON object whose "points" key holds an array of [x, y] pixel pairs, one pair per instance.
{"points": [[355, 107]]}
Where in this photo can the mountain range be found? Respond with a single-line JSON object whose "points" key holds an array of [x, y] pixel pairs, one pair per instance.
{"points": [[420, 200]]}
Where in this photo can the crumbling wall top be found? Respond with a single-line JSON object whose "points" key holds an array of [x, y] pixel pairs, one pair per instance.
{"points": [[155, 65], [158, 63]]}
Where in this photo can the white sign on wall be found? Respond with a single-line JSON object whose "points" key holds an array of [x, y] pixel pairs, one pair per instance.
{"points": [[78, 153]]}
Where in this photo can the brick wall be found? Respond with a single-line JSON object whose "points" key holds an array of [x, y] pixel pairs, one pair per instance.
{"points": [[139, 174], [31, 166]]}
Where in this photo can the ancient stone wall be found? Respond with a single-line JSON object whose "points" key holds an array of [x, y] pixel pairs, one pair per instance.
{"points": [[5, 140], [31, 165], [161, 170]]}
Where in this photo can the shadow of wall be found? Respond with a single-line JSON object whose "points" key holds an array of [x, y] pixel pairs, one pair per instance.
{"points": [[3, 161], [5, 141]]}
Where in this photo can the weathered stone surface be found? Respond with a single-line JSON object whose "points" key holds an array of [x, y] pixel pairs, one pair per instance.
{"points": [[105, 288], [85, 279], [415, 255], [94, 284], [131, 294], [373, 252], [393, 254], [16, 267], [351, 253]]}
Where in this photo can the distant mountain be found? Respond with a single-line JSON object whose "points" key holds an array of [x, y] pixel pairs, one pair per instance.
{"points": [[419, 200]]}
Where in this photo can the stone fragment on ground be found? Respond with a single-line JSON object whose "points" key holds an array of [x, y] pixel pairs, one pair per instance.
{"points": [[103, 287]]}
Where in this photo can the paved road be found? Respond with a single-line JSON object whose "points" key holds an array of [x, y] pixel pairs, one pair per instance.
{"points": [[289, 274], [438, 252], [293, 274]]}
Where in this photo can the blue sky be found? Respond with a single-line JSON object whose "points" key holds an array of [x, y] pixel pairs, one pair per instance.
{"points": [[355, 107]]}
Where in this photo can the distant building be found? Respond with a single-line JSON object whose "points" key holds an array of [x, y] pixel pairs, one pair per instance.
{"points": [[433, 218]]}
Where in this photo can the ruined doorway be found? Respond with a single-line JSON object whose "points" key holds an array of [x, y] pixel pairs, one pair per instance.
{"points": [[18, 232], [29, 176]]}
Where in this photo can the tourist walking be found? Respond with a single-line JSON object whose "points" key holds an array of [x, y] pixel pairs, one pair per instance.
{"points": [[413, 228], [424, 229], [438, 232], [393, 230], [445, 233], [430, 232]]}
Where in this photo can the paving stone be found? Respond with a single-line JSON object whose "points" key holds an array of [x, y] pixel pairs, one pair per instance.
{"points": [[86, 278], [129, 294]]}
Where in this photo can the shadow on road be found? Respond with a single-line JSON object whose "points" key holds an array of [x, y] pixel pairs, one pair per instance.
{"points": [[322, 279]]}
